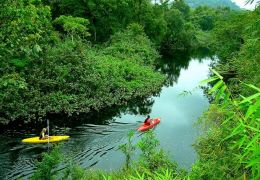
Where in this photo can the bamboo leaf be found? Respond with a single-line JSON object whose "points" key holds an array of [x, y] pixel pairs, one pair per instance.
{"points": [[221, 92], [216, 86], [208, 80], [215, 72], [241, 142], [236, 131], [250, 111], [241, 121], [243, 97], [254, 140], [253, 162], [252, 128], [227, 120], [248, 99], [252, 86]]}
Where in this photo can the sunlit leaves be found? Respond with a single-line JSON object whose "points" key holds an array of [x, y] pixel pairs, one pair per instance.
{"points": [[211, 79], [216, 86], [19, 63], [73, 25], [241, 125], [132, 45], [28, 29]]}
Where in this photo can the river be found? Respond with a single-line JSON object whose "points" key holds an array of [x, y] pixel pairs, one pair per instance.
{"points": [[94, 141]]}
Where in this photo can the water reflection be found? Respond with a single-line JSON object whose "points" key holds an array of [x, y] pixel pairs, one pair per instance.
{"points": [[171, 64]]}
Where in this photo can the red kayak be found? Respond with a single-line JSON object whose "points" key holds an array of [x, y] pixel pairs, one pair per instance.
{"points": [[153, 123]]}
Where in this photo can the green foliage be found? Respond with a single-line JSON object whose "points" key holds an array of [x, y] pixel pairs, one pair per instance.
{"points": [[106, 17], [128, 148], [160, 21], [228, 35], [175, 26], [159, 167], [12, 89], [205, 17], [231, 141], [74, 77], [133, 45], [152, 158], [73, 25], [26, 33], [41, 73], [45, 168], [232, 135], [237, 44], [74, 172], [182, 7]]}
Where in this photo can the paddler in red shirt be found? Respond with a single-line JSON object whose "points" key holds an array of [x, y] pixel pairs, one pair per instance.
{"points": [[147, 121]]}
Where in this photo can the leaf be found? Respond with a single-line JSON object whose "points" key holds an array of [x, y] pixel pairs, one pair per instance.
{"points": [[19, 63], [221, 92], [250, 111], [252, 128], [216, 86], [227, 120], [105, 177], [254, 140], [236, 131], [215, 72], [252, 86], [208, 80], [248, 99], [241, 141], [253, 162]]}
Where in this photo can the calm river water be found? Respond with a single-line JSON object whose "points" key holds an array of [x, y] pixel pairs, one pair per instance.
{"points": [[94, 145]]}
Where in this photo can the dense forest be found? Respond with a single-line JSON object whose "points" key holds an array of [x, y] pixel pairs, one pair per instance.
{"points": [[65, 56], [74, 56]]}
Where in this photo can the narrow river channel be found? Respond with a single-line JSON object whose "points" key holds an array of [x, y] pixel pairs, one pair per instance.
{"points": [[94, 145]]}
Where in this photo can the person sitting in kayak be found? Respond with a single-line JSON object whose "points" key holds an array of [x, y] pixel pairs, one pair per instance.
{"points": [[147, 121], [44, 134]]}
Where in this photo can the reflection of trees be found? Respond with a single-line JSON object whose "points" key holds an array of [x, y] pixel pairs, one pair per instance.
{"points": [[172, 63], [201, 54], [136, 106], [142, 107]]}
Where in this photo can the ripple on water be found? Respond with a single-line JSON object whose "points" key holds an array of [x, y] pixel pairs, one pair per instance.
{"points": [[88, 144]]}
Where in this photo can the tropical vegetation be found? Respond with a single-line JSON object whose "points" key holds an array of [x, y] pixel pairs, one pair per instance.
{"points": [[73, 56]]}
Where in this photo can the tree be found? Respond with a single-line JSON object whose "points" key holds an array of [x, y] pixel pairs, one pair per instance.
{"points": [[73, 26]]}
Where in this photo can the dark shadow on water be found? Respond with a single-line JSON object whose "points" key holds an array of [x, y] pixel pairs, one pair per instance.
{"points": [[106, 116]]}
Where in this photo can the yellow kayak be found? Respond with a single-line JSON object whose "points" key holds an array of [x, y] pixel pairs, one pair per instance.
{"points": [[51, 139]]}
